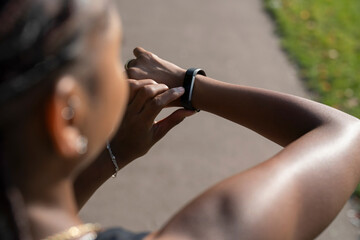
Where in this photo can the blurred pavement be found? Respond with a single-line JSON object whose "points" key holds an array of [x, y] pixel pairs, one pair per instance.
{"points": [[233, 41]]}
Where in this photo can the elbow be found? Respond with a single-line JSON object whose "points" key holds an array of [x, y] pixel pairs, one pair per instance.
{"points": [[349, 126]]}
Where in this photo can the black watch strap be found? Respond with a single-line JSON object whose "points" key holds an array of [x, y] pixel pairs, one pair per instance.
{"points": [[188, 85]]}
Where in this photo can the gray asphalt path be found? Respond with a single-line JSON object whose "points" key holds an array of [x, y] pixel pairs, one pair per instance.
{"points": [[233, 41]]}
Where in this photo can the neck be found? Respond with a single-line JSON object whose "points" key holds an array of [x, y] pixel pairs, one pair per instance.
{"points": [[44, 181], [48, 195], [53, 211]]}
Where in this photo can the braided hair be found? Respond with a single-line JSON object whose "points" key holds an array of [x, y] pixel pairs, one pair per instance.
{"points": [[35, 42], [27, 30]]}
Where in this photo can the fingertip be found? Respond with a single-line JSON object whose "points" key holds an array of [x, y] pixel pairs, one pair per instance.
{"points": [[185, 113], [130, 63], [188, 113], [138, 51], [164, 85], [179, 90]]}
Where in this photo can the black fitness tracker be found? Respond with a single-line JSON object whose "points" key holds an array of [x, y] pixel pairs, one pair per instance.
{"points": [[188, 85]]}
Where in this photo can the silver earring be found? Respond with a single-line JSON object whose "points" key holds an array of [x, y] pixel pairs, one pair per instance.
{"points": [[68, 113], [81, 145]]}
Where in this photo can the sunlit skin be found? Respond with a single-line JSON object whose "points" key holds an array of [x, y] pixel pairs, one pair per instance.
{"points": [[55, 180], [293, 195], [307, 183]]}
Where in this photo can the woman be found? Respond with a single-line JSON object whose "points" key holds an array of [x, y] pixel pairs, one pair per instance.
{"points": [[64, 95]]}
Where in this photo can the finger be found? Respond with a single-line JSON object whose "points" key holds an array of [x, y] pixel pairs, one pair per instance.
{"points": [[153, 107], [138, 51], [145, 94], [162, 127], [135, 85], [137, 73], [129, 64]]}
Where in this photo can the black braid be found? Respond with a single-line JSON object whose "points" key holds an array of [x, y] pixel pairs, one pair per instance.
{"points": [[24, 61], [10, 12], [24, 30]]}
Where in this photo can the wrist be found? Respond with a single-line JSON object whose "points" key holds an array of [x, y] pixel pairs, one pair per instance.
{"points": [[204, 92], [179, 76], [104, 166]]}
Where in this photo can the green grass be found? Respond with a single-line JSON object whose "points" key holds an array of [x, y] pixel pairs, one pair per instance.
{"points": [[322, 37]]}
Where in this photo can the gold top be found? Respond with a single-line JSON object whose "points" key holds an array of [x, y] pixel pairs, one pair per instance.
{"points": [[82, 232]]}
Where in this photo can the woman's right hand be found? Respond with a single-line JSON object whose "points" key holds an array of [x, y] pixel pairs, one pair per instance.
{"points": [[149, 66], [139, 130]]}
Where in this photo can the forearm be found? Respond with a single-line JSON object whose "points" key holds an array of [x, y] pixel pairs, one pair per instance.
{"points": [[300, 190], [279, 117], [137, 133], [94, 176], [308, 182]]}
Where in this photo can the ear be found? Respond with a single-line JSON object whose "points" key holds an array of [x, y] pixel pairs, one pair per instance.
{"points": [[64, 111]]}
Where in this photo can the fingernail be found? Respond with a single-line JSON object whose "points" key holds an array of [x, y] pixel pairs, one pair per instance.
{"points": [[179, 89]]}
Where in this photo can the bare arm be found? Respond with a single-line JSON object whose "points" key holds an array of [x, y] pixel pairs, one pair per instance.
{"points": [[136, 135], [293, 195], [279, 117]]}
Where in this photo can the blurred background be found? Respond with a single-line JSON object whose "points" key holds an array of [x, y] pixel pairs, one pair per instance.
{"points": [[302, 47]]}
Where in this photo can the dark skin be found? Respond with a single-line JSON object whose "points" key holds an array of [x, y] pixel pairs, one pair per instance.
{"points": [[320, 148], [307, 183], [50, 164], [134, 138]]}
